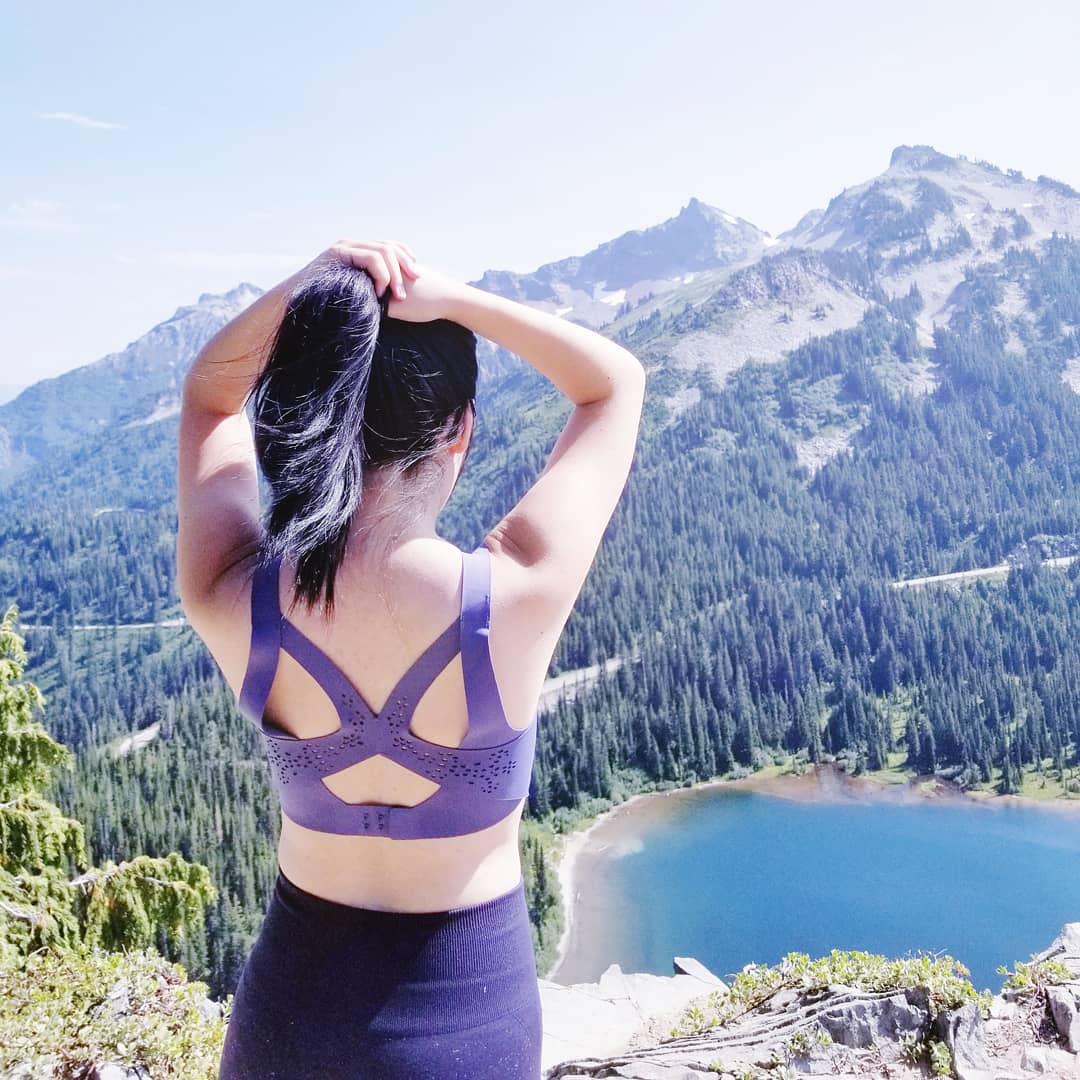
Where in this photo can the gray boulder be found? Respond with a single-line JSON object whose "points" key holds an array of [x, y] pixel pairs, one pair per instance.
{"points": [[1063, 1010], [863, 1020], [688, 965], [1065, 948], [963, 1032], [1049, 1061]]}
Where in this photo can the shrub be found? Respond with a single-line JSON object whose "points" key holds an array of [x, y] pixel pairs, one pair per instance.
{"points": [[75, 1010], [944, 979], [1034, 976]]}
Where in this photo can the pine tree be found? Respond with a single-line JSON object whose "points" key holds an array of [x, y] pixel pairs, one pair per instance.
{"points": [[114, 906]]}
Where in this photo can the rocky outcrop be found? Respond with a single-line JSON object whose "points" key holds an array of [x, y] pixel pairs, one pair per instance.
{"points": [[621, 1027], [619, 1011]]}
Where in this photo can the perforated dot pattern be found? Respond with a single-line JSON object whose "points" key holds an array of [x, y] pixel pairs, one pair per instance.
{"points": [[298, 763], [291, 759], [438, 764]]}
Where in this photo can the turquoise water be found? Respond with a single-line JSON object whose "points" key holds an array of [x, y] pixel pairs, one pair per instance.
{"points": [[732, 877]]}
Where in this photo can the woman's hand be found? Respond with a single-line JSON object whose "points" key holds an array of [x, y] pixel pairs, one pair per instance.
{"points": [[387, 262], [417, 293], [431, 295]]}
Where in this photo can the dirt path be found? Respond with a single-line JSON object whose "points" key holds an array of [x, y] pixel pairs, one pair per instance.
{"points": [[1001, 570]]}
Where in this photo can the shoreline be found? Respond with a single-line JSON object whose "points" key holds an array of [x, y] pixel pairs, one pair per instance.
{"points": [[822, 783], [567, 855]]}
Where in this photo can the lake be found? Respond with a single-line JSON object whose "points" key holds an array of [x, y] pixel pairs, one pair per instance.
{"points": [[734, 876]]}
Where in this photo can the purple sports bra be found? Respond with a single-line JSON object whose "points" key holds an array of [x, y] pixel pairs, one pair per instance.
{"points": [[480, 781]]}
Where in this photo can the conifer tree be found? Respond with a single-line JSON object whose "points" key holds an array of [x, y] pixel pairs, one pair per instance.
{"points": [[115, 906]]}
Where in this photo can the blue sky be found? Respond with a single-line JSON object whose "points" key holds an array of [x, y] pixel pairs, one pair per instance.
{"points": [[154, 152]]}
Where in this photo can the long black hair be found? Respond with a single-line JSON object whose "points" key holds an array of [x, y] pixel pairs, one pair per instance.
{"points": [[346, 389]]}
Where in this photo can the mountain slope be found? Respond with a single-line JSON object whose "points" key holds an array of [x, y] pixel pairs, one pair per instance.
{"points": [[614, 277], [929, 218], [604, 285], [138, 385]]}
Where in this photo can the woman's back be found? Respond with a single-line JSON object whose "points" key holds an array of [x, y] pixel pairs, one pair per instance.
{"points": [[383, 625]]}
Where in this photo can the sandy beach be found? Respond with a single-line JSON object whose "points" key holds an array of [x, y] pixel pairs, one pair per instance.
{"points": [[613, 832], [568, 855]]}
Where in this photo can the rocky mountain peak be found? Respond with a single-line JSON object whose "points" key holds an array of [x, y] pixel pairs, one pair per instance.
{"points": [[214, 305], [929, 218], [244, 292], [612, 278], [920, 159], [697, 210]]}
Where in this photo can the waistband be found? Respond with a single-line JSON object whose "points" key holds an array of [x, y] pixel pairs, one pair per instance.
{"points": [[485, 915]]}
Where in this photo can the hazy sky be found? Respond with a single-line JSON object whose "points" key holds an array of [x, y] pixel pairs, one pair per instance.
{"points": [[153, 152]]}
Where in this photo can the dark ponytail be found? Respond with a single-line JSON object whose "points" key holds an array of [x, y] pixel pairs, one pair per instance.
{"points": [[346, 388]]}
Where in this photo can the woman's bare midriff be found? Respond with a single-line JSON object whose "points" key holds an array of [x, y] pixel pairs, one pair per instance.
{"points": [[403, 875]]}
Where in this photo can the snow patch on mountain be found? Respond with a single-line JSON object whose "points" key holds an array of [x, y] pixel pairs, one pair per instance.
{"points": [[1071, 374]]}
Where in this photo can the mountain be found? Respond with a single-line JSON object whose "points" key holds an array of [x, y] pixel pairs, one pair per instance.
{"points": [[932, 242], [599, 287], [924, 222], [929, 218], [699, 297], [614, 277], [703, 291], [926, 227], [139, 385]]}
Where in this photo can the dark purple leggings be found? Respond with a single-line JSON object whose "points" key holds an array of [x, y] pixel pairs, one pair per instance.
{"points": [[346, 993]]}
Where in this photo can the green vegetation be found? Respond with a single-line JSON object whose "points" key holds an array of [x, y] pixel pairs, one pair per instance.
{"points": [[542, 893], [932, 1053], [944, 979], [66, 995], [802, 1042], [1035, 976], [941, 1062], [913, 1047], [74, 1010]]}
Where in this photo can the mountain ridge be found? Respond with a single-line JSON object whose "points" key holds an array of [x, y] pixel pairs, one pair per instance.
{"points": [[923, 223]]}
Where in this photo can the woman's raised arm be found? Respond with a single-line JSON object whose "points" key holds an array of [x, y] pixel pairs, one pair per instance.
{"points": [[553, 532]]}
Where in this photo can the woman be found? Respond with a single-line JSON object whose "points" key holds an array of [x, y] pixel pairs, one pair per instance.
{"points": [[397, 941]]}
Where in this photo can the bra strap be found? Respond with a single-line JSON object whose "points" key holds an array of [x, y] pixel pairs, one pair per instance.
{"points": [[481, 690], [265, 642]]}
